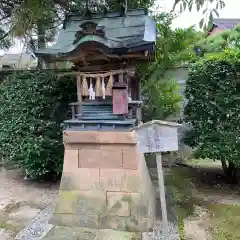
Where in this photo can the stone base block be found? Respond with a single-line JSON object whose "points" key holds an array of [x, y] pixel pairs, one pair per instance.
{"points": [[131, 224], [81, 202], [68, 233], [105, 185], [75, 220]]}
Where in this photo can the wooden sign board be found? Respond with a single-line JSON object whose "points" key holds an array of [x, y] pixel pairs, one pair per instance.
{"points": [[157, 136], [120, 101]]}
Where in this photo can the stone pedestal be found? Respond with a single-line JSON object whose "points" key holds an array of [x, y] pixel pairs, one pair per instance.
{"points": [[106, 191]]}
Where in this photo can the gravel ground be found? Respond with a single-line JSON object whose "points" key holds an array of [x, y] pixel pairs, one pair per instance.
{"points": [[21, 201]]}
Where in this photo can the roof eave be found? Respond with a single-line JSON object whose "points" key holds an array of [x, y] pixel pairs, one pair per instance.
{"points": [[108, 14], [121, 50]]}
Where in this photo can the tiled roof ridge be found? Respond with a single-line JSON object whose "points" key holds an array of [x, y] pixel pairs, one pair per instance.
{"points": [[110, 14], [226, 20], [226, 23]]}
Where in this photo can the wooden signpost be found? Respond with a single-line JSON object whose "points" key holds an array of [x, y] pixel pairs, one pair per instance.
{"points": [[156, 137]]}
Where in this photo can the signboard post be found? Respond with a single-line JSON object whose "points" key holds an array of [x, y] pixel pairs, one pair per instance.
{"points": [[157, 137]]}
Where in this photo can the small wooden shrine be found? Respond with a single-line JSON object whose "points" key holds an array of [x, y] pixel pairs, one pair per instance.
{"points": [[106, 191], [105, 49]]}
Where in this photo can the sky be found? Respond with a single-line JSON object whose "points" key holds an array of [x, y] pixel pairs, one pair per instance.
{"points": [[184, 20], [188, 19]]}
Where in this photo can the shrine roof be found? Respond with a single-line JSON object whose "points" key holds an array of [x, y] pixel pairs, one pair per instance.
{"points": [[114, 32]]}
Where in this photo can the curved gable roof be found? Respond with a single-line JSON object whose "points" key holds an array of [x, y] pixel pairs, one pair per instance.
{"points": [[120, 32]]}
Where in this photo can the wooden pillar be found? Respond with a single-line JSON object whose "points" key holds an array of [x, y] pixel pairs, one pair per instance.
{"points": [[79, 95], [134, 88], [129, 82], [138, 88], [79, 92], [121, 78]]}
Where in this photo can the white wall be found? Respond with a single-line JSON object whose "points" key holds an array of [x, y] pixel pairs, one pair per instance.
{"points": [[180, 75]]}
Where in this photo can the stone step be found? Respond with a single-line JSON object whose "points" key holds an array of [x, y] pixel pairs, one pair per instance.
{"points": [[121, 122], [97, 125], [90, 103], [100, 117], [98, 111]]}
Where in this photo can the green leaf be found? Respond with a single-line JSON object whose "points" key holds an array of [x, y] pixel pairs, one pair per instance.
{"points": [[201, 23], [213, 108], [33, 106]]}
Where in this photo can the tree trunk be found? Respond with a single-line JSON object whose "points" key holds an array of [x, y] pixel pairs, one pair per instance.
{"points": [[41, 43], [230, 171]]}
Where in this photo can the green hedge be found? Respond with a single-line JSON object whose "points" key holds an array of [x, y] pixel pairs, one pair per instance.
{"points": [[33, 106], [213, 109]]}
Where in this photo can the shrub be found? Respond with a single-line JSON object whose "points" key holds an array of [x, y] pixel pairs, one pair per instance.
{"points": [[213, 109], [33, 106], [161, 98]]}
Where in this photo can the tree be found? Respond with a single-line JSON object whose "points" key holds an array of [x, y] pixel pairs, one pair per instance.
{"points": [[161, 99], [23, 17], [5, 41], [213, 109], [228, 39], [204, 5], [36, 21], [173, 48], [199, 4], [33, 106]]}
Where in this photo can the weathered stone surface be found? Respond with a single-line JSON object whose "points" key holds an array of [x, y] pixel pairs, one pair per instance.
{"points": [[66, 202], [129, 224], [81, 202], [147, 191], [82, 146], [69, 220], [117, 146], [130, 159], [66, 233], [139, 206], [70, 160], [61, 234], [100, 158], [124, 180], [131, 181], [118, 235], [102, 146], [74, 137], [117, 137], [85, 179], [111, 179], [105, 188], [118, 204], [72, 233]]}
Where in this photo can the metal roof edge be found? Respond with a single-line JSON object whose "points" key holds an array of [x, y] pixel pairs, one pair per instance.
{"points": [[111, 14], [129, 47], [159, 122]]}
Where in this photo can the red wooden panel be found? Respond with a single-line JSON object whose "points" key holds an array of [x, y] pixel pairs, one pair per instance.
{"points": [[120, 101]]}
